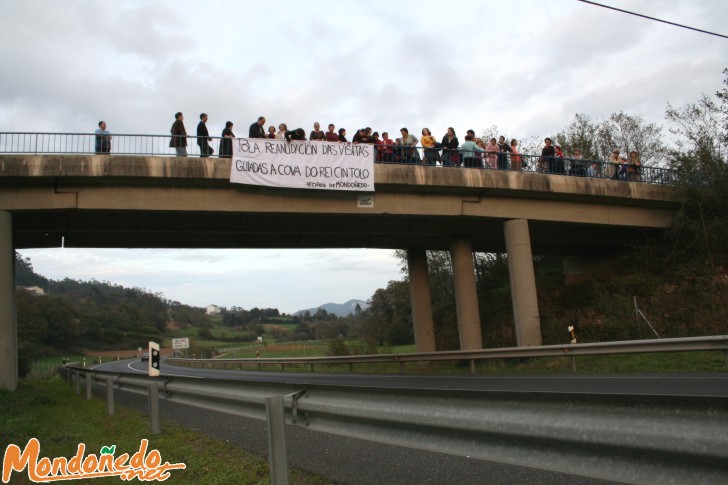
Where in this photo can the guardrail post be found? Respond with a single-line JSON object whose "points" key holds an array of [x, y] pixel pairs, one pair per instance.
{"points": [[311, 368], [87, 376], [275, 419], [573, 363], [472, 366], [77, 381], [110, 396], [154, 409]]}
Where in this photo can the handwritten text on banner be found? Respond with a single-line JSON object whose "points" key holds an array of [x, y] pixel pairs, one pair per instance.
{"points": [[303, 164]]}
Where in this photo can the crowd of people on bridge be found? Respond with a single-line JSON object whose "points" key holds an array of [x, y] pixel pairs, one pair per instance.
{"points": [[473, 152]]}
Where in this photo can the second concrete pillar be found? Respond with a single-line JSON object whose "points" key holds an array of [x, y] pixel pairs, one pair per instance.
{"points": [[523, 283], [466, 295], [421, 300]]}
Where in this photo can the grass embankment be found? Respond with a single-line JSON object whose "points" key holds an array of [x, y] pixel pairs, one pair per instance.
{"points": [[52, 412]]}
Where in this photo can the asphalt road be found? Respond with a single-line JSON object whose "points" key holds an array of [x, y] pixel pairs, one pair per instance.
{"points": [[709, 384], [353, 461]]}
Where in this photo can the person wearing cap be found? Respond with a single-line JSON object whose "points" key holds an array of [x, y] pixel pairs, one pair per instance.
{"points": [[203, 137]]}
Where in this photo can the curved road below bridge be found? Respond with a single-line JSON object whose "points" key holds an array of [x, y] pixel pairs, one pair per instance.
{"points": [[346, 460]]}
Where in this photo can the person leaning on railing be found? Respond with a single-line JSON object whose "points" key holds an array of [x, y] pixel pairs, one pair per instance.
{"points": [[634, 166], [468, 152], [103, 139]]}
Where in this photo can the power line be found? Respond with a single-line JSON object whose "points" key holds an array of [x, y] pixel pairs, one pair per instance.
{"points": [[653, 18]]}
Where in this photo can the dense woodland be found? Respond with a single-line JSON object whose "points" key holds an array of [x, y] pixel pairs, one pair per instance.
{"points": [[678, 279]]}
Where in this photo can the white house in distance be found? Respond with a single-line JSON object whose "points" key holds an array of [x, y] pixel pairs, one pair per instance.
{"points": [[213, 310]]}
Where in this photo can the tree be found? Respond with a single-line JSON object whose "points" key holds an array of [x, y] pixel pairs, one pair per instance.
{"points": [[581, 134], [629, 132]]}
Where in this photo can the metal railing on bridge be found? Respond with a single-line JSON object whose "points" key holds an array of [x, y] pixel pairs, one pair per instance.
{"points": [[159, 145]]}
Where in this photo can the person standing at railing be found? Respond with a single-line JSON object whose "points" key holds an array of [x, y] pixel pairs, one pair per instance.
{"points": [[271, 133], [577, 164], [342, 135], [256, 129], [361, 137], [103, 139], [468, 151], [558, 165], [428, 143], [203, 137], [491, 154], [516, 159], [226, 141], [408, 143], [331, 135], [634, 166], [317, 134], [450, 144], [179, 135], [282, 129], [546, 162], [387, 149], [503, 150], [611, 169]]}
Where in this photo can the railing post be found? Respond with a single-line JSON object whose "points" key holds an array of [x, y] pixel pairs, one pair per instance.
{"points": [[87, 376], [110, 396], [154, 409], [275, 418]]}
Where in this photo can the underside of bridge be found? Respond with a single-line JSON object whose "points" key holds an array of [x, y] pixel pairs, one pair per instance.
{"points": [[168, 229]]}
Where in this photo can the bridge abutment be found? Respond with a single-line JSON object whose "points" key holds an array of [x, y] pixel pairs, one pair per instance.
{"points": [[421, 298], [523, 283], [466, 295], [8, 323]]}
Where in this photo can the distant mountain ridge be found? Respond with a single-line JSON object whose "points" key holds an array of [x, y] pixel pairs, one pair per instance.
{"points": [[338, 309]]}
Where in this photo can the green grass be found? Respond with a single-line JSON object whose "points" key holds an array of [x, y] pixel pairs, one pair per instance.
{"points": [[52, 412]]}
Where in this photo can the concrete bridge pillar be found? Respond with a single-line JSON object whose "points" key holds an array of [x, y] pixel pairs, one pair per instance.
{"points": [[421, 300], [8, 325], [466, 295], [523, 283]]}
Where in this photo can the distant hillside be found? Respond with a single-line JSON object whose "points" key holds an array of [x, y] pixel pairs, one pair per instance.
{"points": [[338, 309]]}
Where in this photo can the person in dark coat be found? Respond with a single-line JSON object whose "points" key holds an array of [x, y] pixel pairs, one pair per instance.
{"points": [[226, 141], [297, 134], [179, 135], [256, 129], [203, 137], [450, 146]]}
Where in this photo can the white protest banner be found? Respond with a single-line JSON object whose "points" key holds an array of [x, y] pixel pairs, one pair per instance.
{"points": [[303, 164]]}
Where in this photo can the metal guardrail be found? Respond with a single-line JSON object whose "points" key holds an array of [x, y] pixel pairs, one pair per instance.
{"points": [[626, 438], [158, 145], [688, 344]]}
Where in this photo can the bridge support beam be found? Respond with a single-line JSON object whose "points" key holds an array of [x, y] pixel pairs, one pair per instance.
{"points": [[421, 299], [523, 283], [8, 324], [466, 295]]}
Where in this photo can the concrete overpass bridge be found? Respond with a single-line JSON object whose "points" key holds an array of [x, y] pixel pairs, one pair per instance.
{"points": [[124, 201]]}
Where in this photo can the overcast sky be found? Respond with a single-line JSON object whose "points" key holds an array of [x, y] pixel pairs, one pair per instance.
{"points": [[526, 66]]}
